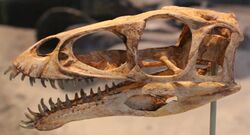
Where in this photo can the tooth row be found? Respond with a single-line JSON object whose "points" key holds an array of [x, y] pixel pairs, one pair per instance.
{"points": [[14, 73], [78, 99]]}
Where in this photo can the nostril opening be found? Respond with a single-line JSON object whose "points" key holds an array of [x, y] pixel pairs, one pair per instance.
{"points": [[47, 47]]}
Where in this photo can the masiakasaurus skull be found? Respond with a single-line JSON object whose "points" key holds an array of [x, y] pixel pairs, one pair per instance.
{"points": [[198, 69]]}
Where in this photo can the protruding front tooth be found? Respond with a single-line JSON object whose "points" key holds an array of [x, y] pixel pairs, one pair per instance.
{"points": [[43, 82], [45, 108], [52, 83], [26, 124]]}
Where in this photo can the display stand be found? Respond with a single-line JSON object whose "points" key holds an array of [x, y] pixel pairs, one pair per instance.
{"points": [[213, 108]]}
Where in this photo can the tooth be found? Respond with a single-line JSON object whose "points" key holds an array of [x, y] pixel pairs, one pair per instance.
{"points": [[29, 117], [83, 94], [91, 92], [67, 98], [76, 96], [99, 92], [52, 83], [10, 76], [60, 83], [68, 103], [23, 76], [14, 74], [52, 105], [59, 102], [32, 81], [7, 70], [26, 125], [27, 122], [33, 113], [106, 87], [40, 110], [45, 108], [113, 84], [43, 83]]}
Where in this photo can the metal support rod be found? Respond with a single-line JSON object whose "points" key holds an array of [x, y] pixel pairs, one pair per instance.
{"points": [[213, 110], [213, 107]]}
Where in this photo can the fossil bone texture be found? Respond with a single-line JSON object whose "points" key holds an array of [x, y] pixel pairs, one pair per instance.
{"points": [[208, 41]]}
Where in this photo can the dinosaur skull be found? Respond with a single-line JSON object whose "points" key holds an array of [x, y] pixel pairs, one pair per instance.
{"points": [[198, 69]]}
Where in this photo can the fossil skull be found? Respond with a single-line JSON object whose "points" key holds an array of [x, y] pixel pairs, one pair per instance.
{"points": [[208, 41]]}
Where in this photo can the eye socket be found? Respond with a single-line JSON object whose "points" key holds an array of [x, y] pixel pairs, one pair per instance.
{"points": [[47, 47]]}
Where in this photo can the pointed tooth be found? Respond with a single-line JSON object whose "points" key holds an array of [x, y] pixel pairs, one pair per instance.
{"points": [[60, 83], [83, 94], [33, 113], [76, 96], [40, 110], [52, 105], [91, 92], [27, 122], [45, 108], [43, 83], [113, 84], [29, 117], [67, 98], [23, 76], [106, 87], [26, 125], [31, 81], [99, 90], [67, 101], [13, 74], [7, 70], [52, 83], [59, 102], [10, 76]]}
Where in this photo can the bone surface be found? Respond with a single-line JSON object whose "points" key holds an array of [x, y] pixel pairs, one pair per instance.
{"points": [[208, 40]]}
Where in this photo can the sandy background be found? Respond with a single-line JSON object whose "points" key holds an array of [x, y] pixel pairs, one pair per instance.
{"points": [[233, 111]]}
